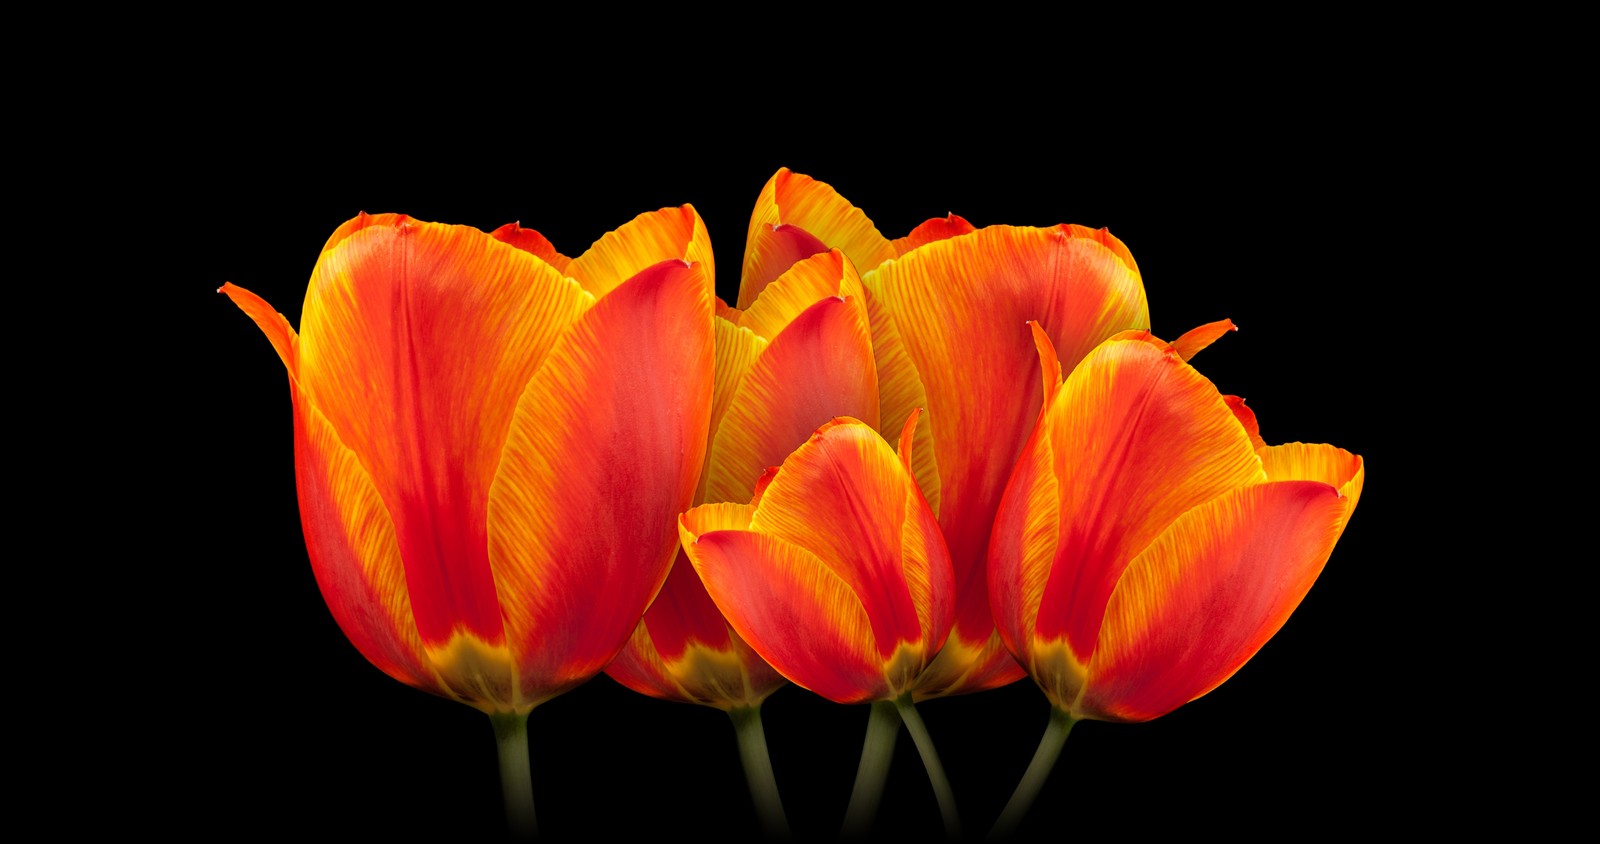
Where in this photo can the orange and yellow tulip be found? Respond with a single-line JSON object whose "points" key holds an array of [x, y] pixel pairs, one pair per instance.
{"points": [[949, 306], [1150, 542], [493, 442]]}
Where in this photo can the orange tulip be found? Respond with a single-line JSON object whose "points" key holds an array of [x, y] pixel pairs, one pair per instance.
{"points": [[1149, 542], [492, 443], [949, 306]]}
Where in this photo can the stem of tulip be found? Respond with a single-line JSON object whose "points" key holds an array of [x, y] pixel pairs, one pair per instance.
{"points": [[883, 727], [930, 760], [516, 776], [1044, 760], [758, 772]]}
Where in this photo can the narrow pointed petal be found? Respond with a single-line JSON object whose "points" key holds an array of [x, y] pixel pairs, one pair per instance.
{"points": [[644, 241], [1143, 438], [532, 242], [961, 308], [792, 205], [1247, 418], [406, 327], [354, 553], [279, 333], [842, 497], [1025, 543], [795, 611], [600, 459], [938, 228], [1196, 339], [1201, 600], [737, 349], [1049, 364], [928, 574], [819, 367]]}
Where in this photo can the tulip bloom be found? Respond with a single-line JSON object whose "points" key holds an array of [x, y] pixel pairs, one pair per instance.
{"points": [[492, 443], [949, 306], [1149, 542]]}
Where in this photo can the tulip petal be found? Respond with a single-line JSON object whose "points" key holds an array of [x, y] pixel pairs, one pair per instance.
{"points": [[416, 343], [1138, 438], [273, 324], [1025, 542], [1201, 600], [819, 367], [599, 460], [1316, 462], [929, 577], [1247, 418], [938, 228], [1196, 339], [532, 242], [794, 214], [961, 306], [841, 496], [354, 554], [737, 350], [807, 282], [900, 392], [361, 221], [642, 242], [795, 611]]}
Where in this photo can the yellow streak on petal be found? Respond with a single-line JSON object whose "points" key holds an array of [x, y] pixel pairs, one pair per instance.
{"points": [[1058, 673], [900, 392], [793, 199], [479, 674], [714, 677], [1316, 462], [736, 351], [806, 283], [644, 241]]}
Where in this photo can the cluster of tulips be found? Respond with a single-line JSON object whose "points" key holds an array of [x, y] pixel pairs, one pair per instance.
{"points": [[897, 470]]}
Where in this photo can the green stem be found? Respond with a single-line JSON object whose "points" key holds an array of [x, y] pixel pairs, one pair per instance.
{"points": [[516, 777], [758, 772], [883, 726], [930, 760], [1044, 759]]}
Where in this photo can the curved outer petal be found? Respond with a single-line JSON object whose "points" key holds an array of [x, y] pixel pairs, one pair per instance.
{"points": [[416, 342], [841, 580], [1204, 598], [600, 459], [532, 242], [938, 228], [797, 216], [642, 242], [960, 309]]}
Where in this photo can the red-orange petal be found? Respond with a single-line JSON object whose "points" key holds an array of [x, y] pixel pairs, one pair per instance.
{"points": [[600, 459], [642, 242], [961, 308], [273, 324], [1196, 339], [819, 367], [1247, 418], [797, 216], [1138, 437], [938, 228], [1211, 590], [416, 342], [532, 242]]}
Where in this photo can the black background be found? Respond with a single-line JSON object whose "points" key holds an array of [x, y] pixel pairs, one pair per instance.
{"points": [[1284, 222]]}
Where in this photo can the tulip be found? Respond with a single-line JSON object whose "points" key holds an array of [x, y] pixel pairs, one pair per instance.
{"points": [[949, 306], [1149, 542], [836, 574], [491, 446]]}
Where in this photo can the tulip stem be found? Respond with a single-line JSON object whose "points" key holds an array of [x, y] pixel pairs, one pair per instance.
{"points": [[516, 776], [758, 772], [883, 727], [930, 760], [1044, 760]]}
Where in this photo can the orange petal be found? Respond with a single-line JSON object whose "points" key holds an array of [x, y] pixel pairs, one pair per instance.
{"points": [[599, 461], [807, 282], [354, 553], [938, 228], [1022, 550], [1196, 339], [796, 216], [819, 367], [929, 577], [737, 350], [361, 221], [961, 308], [532, 242], [1143, 438], [416, 342], [900, 391], [644, 241], [1324, 463], [1211, 590], [962, 668], [841, 496], [795, 611], [1247, 418], [278, 331]]}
